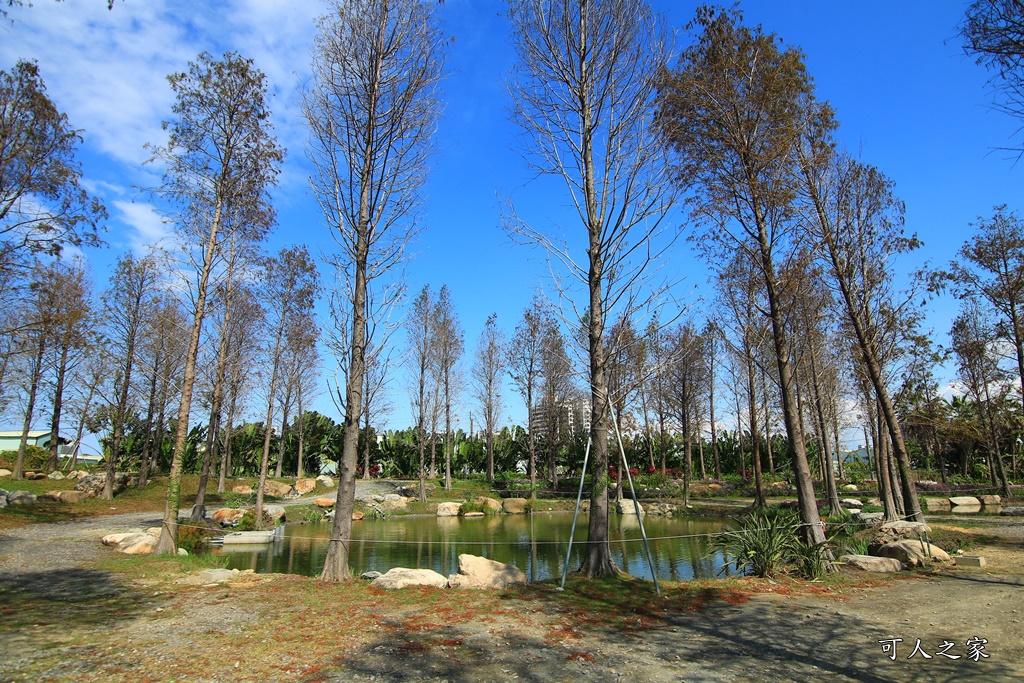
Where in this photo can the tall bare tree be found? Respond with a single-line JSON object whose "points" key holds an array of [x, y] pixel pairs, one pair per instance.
{"points": [[488, 370], [125, 305], [290, 290], [448, 343], [220, 162], [525, 355], [583, 87], [371, 110]]}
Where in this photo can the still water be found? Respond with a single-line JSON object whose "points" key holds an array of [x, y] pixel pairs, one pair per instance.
{"points": [[535, 543]]}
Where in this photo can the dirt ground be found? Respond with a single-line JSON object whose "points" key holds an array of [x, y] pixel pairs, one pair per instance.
{"points": [[66, 620]]}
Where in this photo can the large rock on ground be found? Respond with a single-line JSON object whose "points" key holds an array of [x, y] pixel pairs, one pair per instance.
{"points": [[242, 489], [628, 507], [4, 472], [400, 577], [448, 509], [326, 481], [324, 502], [514, 506], [848, 487], [93, 484], [56, 476], [134, 543], [21, 498], [274, 512], [964, 500], [869, 563], [1012, 512], [480, 572], [489, 503], [899, 531], [989, 501], [227, 516], [277, 489], [937, 504], [304, 486], [851, 503], [73, 496], [911, 553]]}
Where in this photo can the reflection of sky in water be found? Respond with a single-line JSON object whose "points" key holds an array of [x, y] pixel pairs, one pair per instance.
{"points": [[534, 543]]}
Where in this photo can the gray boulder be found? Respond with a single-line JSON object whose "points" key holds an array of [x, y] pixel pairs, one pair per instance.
{"points": [[628, 507], [480, 572], [448, 509], [1012, 512], [869, 563], [93, 484], [913, 553], [899, 531], [514, 506], [21, 498], [400, 577]]}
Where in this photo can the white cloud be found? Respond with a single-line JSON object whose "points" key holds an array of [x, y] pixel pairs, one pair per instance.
{"points": [[150, 228]]}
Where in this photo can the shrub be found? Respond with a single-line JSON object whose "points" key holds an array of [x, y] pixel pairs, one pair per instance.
{"points": [[812, 561], [195, 540], [506, 479], [472, 506], [313, 513], [765, 541], [653, 480], [35, 458], [247, 522]]}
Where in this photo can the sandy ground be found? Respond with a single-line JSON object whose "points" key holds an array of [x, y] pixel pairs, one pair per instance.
{"points": [[771, 637]]}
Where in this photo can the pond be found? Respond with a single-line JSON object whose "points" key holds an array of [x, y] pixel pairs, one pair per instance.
{"points": [[535, 543]]}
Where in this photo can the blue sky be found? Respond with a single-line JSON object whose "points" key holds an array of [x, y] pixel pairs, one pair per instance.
{"points": [[906, 96]]}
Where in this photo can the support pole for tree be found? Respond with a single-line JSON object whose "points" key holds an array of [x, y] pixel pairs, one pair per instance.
{"points": [[576, 513], [636, 507]]}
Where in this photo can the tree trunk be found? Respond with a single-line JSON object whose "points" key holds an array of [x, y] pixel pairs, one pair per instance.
{"points": [[36, 377], [58, 402], [806, 500], [168, 543], [755, 445]]}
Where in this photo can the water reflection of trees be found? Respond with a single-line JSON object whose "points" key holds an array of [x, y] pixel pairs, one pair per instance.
{"points": [[534, 543]]}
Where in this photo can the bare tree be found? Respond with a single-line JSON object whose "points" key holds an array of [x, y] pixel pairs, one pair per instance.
{"points": [[973, 341], [993, 31], [290, 291], [35, 340], [125, 305], [221, 161], [244, 346], [488, 371], [371, 111], [420, 354], [556, 394], [582, 92], [448, 343], [859, 221], [525, 355], [72, 334]]}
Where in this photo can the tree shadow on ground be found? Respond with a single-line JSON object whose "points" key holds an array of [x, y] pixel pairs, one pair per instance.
{"points": [[692, 635], [65, 599]]}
